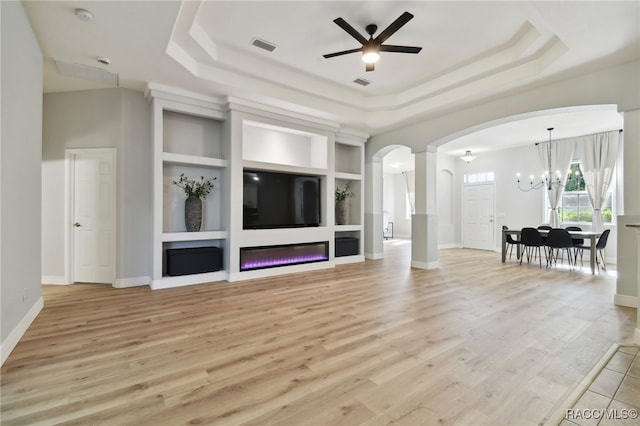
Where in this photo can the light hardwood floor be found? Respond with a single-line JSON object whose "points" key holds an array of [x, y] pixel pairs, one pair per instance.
{"points": [[476, 342]]}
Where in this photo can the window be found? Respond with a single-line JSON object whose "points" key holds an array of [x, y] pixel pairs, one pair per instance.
{"points": [[575, 205], [479, 177]]}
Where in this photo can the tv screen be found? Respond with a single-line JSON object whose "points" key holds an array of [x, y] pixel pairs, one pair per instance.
{"points": [[280, 200]]}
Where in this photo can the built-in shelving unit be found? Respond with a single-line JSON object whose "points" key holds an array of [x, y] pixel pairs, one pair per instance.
{"points": [[219, 139], [349, 169], [189, 137]]}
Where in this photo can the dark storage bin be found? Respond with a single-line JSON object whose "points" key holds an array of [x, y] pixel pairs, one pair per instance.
{"points": [[196, 260], [347, 246]]}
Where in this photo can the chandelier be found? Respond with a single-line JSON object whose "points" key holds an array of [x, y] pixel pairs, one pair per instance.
{"points": [[548, 179]]}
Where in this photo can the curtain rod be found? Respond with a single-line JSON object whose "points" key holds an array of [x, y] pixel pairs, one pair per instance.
{"points": [[538, 143]]}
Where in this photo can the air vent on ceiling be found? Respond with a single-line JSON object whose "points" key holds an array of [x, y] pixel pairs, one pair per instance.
{"points": [[86, 72], [262, 44], [362, 82]]}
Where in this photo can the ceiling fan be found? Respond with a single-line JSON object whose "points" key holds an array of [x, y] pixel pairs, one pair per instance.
{"points": [[371, 48]]}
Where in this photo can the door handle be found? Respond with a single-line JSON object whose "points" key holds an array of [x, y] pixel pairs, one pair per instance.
{"points": [[77, 225]]}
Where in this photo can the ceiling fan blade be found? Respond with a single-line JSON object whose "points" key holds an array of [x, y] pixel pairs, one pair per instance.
{"points": [[370, 67], [352, 31], [395, 26], [400, 49], [344, 52]]}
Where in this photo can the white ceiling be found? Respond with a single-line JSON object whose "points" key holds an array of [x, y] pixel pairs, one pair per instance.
{"points": [[471, 51]]}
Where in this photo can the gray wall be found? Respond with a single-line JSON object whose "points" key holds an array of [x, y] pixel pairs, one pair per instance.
{"points": [[19, 173], [109, 118]]}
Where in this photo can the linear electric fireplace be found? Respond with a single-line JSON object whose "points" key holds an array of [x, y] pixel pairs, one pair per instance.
{"points": [[290, 254]]}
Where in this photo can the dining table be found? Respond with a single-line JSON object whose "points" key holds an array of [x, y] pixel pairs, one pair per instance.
{"points": [[586, 235]]}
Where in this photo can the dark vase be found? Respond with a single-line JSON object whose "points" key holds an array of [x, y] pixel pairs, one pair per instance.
{"points": [[342, 212], [193, 213]]}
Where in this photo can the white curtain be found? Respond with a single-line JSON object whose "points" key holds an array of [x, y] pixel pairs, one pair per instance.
{"points": [[409, 178], [556, 154], [598, 155]]}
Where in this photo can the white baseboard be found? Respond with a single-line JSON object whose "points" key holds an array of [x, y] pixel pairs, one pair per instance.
{"points": [[132, 282], [55, 280], [14, 337], [425, 265], [624, 300], [374, 256], [449, 246]]}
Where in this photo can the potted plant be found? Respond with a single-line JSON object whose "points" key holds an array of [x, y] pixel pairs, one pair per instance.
{"points": [[196, 191], [342, 206]]}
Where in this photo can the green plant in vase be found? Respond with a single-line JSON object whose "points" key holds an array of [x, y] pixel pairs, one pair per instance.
{"points": [[196, 191], [342, 206]]}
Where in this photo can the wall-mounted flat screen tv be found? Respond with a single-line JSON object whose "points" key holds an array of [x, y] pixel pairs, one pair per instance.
{"points": [[280, 200]]}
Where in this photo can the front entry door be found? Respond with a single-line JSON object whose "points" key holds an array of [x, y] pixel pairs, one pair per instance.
{"points": [[94, 215], [478, 231]]}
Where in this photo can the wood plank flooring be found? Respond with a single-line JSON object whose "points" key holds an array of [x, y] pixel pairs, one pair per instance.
{"points": [[476, 342]]}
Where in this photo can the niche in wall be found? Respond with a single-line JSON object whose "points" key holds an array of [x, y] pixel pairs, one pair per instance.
{"points": [[277, 145]]}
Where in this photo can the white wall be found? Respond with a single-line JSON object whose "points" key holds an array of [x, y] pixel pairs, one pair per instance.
{"points": [[100, 119], [448, 201], [21, 116]]}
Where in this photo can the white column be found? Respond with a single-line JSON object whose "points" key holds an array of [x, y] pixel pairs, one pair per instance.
{"points": [[636, 335], [424, 223], [628, 174], [373, 227]]}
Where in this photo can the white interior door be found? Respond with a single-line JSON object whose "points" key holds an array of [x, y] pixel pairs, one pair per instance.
{"points": [[478, 213], [94, 216]]}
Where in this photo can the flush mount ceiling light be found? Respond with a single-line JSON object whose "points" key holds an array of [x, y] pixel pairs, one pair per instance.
{"points": [[103, 60], [83, 14], [468, 157]]}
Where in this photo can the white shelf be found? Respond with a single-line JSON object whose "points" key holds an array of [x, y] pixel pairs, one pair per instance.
{"points": [[259, 165], [348, 176], [182, 280], [194, 236], [192, 160], [342, 260], [342, 228]]}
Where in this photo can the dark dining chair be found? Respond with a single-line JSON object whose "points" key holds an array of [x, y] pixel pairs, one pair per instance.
{"points": [[532, 241], [510, 241], [576, 241], [600, 246], [558, 240], [544, 228]]}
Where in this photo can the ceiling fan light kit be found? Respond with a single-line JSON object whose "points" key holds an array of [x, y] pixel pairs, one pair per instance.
{"points": [[371, 48]]}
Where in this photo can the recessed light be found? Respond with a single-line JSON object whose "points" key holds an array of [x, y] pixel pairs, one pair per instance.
{"points": [[103, 60], [83, 14]]}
